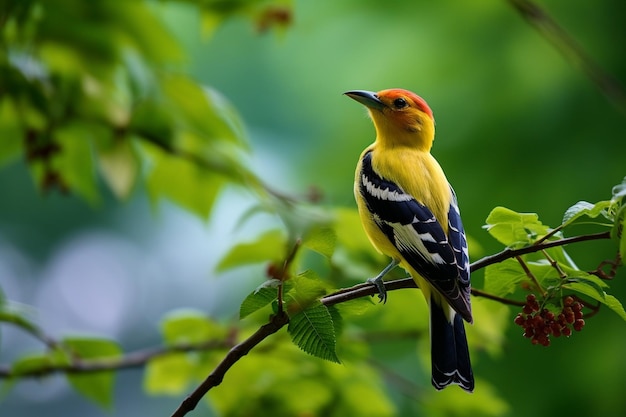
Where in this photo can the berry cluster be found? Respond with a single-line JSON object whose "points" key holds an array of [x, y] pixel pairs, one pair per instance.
{"points": [[540, 324]]}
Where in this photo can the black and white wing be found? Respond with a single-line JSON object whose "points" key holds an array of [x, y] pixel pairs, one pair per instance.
{"points": [[413, 229]]}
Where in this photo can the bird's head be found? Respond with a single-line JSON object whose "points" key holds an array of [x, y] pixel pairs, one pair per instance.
{"points": [[401, 118]]}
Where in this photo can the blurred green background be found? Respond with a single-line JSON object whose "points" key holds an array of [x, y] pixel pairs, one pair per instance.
{"points": [[517, 125]]}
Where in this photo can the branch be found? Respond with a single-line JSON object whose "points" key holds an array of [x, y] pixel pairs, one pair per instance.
{"points": [[365, 289], [131, 360], [564, 43], [215, 378], [278, 321]]}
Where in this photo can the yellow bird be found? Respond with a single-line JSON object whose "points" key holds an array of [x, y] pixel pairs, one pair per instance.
{"points": [[410, 213]]}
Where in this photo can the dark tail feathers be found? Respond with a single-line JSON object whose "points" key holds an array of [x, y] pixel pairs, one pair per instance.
{"points": [[449, 352]]}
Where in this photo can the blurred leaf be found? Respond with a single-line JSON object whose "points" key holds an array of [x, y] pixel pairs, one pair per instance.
{"points": [[268, 247], [312, 330], [14, 313], [168, 374], [258, 299], [97, 386], [454, 402], [75, 161], [514, 229], [321, 240], [188, 326], [34, 363], [184, 182], [203, 110], [10, 131], [619, 191], [119, 165]]}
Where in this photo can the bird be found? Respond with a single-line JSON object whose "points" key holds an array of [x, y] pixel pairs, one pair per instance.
{"points": [[410, 213]]}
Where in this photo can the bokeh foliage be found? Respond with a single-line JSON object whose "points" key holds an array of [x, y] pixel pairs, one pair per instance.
{"points": [[98, 99]]}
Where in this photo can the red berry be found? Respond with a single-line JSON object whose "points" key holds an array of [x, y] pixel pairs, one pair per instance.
{"points": [[519, 320], [567, 331], [579, 324], [568, 301], [531, 297], [527, 309]]}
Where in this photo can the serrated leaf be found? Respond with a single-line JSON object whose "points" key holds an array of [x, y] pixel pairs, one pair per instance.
{"points": [[584, 208], [96, 386], [514, 229], [270, 246], [168, 374], [258, 299], [503, 278], [321, 240], [312, 330], [190, 327]]}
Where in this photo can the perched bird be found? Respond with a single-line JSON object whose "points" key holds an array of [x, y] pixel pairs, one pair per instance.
{"points": [[410, 213]]}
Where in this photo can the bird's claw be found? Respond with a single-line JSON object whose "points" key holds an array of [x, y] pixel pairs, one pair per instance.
{"points": [[380, 286]]}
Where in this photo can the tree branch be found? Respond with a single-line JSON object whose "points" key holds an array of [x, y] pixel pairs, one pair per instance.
{"points": [[215, 378], [278, 321], [365, 289], [130, 360]]}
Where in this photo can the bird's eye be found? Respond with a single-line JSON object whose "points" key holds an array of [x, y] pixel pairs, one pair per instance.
{"points": [[400, 103]]}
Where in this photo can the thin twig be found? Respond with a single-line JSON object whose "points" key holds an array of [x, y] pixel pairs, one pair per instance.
{"points": [[130, 360], [564, 43]]}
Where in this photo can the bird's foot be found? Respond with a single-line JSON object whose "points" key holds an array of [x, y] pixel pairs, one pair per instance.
{"points": [[380, 285]]}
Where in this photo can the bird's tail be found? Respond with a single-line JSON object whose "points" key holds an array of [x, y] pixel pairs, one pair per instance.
{"points": [[449, 352]]}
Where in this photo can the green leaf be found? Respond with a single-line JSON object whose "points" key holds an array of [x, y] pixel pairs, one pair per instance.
{"points": [[312, 330], [97, 386], [270, 246], [119, 165], [515, 229], [503, 278], [584, 208], [321, 240], [75, 161], [258, 299], [10, 131], [617, 232], [203, 110], [593, 292], [39, 362], [188, 326], [168, 374], [304, 289], [615, 305], [192, 186], [16, 314], [619, 191]]}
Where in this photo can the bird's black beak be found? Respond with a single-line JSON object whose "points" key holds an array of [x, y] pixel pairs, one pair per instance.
{"points": [[367, 98]]}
